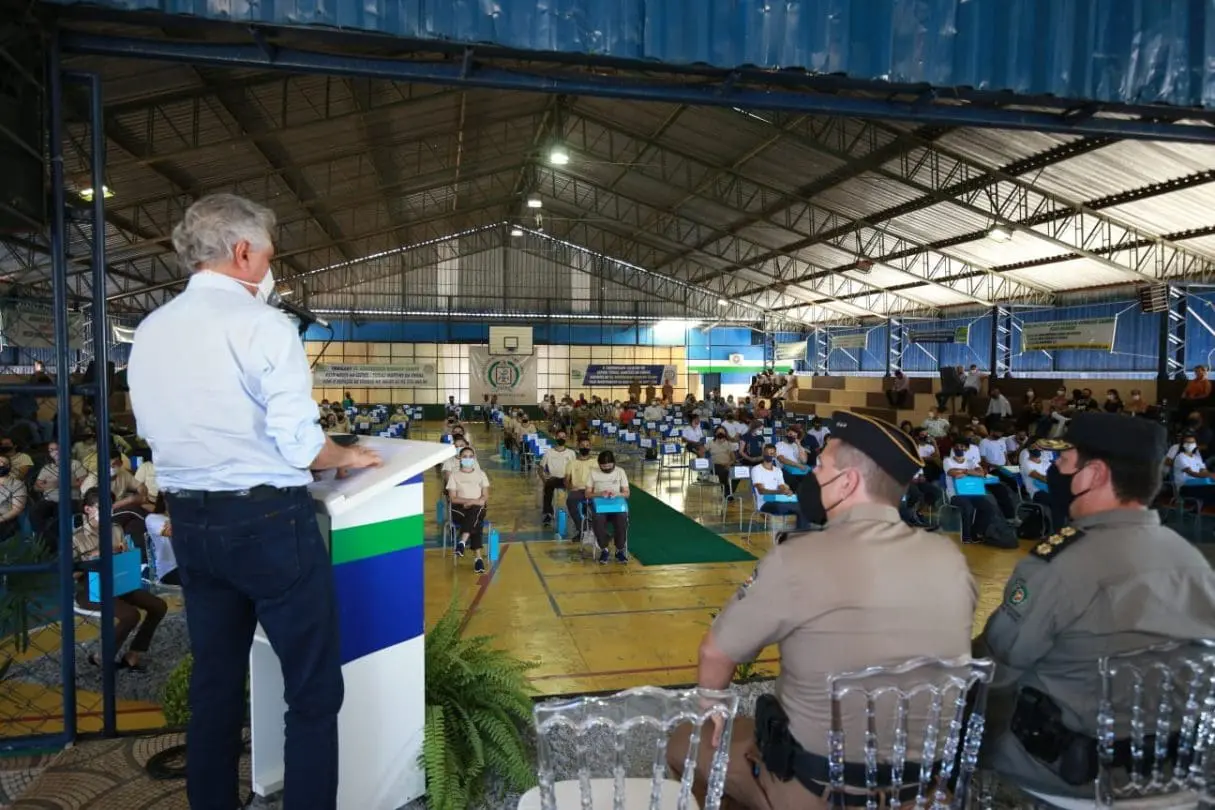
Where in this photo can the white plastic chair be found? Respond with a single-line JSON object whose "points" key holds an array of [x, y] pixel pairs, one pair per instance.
{"points": [[899, 762], [1149, 697], [626, 732]]}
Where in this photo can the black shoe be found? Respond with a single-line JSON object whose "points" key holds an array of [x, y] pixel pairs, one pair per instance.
{"points": [[622, 557], [603, 556], [459, 548], [548, 520], [479, 566]]}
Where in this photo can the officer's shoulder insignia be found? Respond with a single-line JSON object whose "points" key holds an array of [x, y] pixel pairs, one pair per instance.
{"points": [[747, 583], [1054, 545]]}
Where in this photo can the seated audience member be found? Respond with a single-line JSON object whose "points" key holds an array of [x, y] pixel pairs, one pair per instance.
{"points": [[802, 599], [722, 455], [1198, 389], [818, 430], [160, 545], [936, 425], [1033, 474], [452, 464], [145, 476], [1112, 582], [998, 408], [793, 459], [552, 469], [920, 492], [751, 445], [19, 460], [13, 500], [43, 512], [468, 492], [1113, 401], [606, 480], [930, 456], [694, 437], [1191, 478], [1138, 405], [767, 479], [734, 428], [86, 546], [577, 474], [981, 521]]}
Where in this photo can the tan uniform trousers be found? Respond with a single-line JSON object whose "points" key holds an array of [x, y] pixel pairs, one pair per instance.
{"points": [[744, 790]]}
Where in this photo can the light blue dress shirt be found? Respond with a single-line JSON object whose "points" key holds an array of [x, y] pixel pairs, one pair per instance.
{"points": [[222, 391]]}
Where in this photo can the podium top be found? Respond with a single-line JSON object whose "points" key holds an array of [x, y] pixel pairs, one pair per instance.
{"points": [[403, 459]]}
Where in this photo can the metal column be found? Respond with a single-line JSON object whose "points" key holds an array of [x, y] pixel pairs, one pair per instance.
{"points": [[819, 349], [1001, 341], [895, 345], [1171, 351]]}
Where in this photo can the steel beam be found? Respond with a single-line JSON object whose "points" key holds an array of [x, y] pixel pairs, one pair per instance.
{"points": [[714, 94], [1171, 360]]}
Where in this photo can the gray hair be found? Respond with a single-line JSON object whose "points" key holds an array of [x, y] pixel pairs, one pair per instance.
{"points": [[212, 226]]}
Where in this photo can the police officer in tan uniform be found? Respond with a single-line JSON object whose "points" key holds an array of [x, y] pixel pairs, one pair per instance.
{"points": [[868, 590], [1112, 581]]}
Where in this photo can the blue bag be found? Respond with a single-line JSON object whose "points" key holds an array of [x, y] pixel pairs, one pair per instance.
{"points": [[561, 518], [494, 549], [128, 575]]}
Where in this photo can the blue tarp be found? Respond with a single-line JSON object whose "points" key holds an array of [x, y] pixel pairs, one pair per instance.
{"points": [[1121, 51]]}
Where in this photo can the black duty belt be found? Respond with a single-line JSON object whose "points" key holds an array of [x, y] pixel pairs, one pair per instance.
{"points": [[263, 492]]}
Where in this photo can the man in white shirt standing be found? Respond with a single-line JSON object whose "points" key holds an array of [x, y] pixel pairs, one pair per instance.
{"points": [[222, 391]]}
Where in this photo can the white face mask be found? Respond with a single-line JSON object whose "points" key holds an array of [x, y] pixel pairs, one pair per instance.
{"points": [[113, 472], [1189, 447], [264, 287]]}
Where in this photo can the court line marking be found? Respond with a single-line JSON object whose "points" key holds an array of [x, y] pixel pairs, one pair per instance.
{"points": [[482, 587], [552, 600]]}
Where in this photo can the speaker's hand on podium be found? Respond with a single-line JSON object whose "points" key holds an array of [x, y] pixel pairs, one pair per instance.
{"points": [[358, 458]]}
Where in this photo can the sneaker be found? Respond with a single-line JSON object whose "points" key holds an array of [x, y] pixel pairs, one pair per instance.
{"points": [[548, 520], [459, 548], [970, 541], [622, 557], [479, 566], [603, 556]]}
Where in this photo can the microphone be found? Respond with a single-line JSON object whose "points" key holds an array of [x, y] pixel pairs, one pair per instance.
{"points": [[305, 317]]}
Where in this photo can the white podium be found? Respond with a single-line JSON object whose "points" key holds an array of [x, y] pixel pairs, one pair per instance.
{"points": [[373, 523]]}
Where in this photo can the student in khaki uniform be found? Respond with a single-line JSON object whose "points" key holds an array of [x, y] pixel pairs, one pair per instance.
{"points": [[577, 475], [1113, 581], [866, 591]]}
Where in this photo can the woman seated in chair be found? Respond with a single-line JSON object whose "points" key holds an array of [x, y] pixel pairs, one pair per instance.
{"points": [[609, 481], [468, 492], [87, 546], [160, 546]]}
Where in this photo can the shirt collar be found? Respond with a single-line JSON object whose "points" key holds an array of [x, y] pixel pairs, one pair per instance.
{"points": [[209, 280], [1119, 517], [866, 511]]}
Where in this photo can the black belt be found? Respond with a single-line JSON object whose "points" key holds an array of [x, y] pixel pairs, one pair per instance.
{"points": [[262, 492], [812, 771]]}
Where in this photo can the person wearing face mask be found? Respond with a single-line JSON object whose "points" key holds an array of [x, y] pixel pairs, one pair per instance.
{"points": [[723, 457], [609, 481], [553, 467], [13, 499], [768, 480], [892, 591], [577, 474], [979, 513], [793, 459], [751, 445], [128, 501], [1113, 581], [1192, 481], [86, 546], [452, 464], [47, 485], [221, 389], [1034, 470], [694, 437], [468, 493]]}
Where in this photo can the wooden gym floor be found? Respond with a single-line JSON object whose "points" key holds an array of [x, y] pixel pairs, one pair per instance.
{"points": [[595, 628]]}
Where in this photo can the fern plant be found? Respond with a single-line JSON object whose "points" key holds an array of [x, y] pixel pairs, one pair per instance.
{"points": [[477, 706]]}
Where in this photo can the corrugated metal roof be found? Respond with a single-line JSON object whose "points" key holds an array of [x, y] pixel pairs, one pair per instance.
{"points": [[1135, 52]]}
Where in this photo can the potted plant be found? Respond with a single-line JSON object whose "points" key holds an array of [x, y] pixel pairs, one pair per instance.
{"points": [[20, 596], [478, 704]]}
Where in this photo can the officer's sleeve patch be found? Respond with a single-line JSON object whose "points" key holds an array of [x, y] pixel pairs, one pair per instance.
{"points": [[1017, 594]]}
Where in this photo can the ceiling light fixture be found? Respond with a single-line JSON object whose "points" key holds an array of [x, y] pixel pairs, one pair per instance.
{"points": [[534, 202], [558, 156], [998, 234], [721, 302], [516, 231], [86, 194]]}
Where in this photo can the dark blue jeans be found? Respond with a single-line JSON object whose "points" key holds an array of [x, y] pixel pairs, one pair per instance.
{"points": [[244, 561]]}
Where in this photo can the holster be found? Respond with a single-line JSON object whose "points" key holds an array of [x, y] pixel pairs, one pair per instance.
{"points": [[777, 748]]}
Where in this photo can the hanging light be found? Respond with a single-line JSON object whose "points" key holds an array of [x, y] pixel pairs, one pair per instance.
{"points": [[534, 201], [516, 231], [558, 156], [998, 234], [86, 194], [721, 302]]}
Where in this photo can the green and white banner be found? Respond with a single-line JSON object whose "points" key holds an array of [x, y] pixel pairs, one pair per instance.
{"points": [[36, 330], [510, 378], [1095, 334], [853, 341], [399, 375], [791, 351]]}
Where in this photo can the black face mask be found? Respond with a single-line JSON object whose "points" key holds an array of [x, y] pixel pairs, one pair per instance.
{"points": [[606, 469], [561, 442], [720, 436], [769, 459], [810, 500], [584, 451], [3, 471]]}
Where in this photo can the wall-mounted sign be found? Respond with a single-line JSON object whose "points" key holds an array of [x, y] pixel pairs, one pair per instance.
{"points": [[397, 375], [622, 376], [1095, 334]]}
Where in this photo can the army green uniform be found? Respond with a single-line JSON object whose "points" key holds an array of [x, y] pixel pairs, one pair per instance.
{"points": [[1111, 582]]}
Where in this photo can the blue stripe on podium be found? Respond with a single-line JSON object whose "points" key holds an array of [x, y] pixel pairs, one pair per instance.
{"points": [[380, 601], [417, 479]]}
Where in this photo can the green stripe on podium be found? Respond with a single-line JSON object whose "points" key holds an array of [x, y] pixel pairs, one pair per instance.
{"points": [[374, 539]]}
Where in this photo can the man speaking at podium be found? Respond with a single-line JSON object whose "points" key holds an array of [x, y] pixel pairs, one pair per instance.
{"points": [[222, 391]]}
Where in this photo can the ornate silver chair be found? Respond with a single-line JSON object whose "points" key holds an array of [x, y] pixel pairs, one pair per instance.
{"points": [[1155, 728], [920, 726], [626, 734]]}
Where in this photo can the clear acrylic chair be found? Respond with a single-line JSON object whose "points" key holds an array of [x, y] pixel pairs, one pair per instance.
{"points": [[927, 698], [1157, 708], [622, 735]]}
